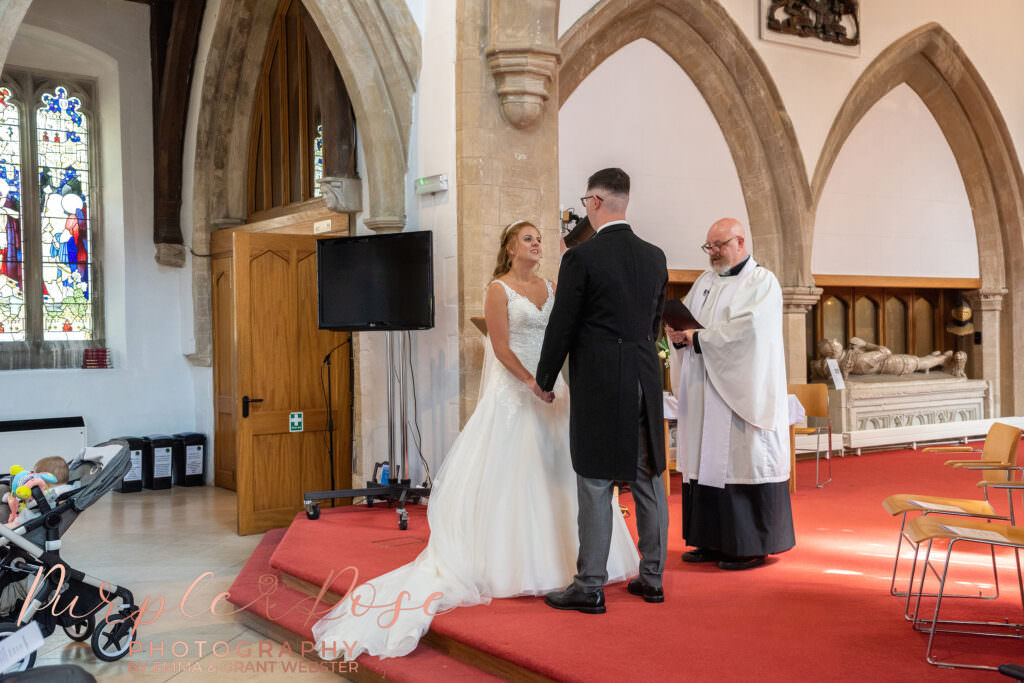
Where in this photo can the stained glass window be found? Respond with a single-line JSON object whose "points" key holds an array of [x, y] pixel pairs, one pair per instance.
{"points": [[12, 297], [318, 159], [51, 305], [62, 152]]}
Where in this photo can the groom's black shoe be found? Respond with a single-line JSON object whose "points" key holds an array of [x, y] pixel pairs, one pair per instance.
{"points": [[573, 598], [702, 555], [648, 593]]}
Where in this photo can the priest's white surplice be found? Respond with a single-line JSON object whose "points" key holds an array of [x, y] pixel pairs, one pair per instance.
{"points": [[733, 416]]}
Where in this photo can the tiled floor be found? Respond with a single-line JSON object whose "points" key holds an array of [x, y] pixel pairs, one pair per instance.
{"points": [[157, 543]]}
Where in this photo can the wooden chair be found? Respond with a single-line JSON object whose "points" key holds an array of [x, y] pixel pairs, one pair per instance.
{"points": [[814, 399], [925, 529], [997, 467]]}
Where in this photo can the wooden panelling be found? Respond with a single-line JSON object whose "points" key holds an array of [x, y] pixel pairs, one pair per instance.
{"points": [[886, 282], [299, 88]]}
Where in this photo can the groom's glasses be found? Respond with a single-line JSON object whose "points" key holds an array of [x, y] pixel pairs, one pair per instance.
{"points": [[589, 196], [717, 246]]}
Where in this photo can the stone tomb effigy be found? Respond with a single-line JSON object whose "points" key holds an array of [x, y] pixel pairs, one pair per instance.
{"points": [[892, 398]]}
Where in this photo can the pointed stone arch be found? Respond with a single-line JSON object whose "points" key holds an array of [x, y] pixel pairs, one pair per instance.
{"points": [[376, 46], [12, 12], [701, 37], [933, 65]]}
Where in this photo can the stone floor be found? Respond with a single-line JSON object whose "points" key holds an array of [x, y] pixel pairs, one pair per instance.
{"points": [[157, 543]]}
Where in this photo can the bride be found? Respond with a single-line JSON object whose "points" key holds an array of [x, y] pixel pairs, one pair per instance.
{"points": [[503, 509]]}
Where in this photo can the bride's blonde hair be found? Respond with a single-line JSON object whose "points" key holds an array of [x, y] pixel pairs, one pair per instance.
{"points": [[511, 232]]}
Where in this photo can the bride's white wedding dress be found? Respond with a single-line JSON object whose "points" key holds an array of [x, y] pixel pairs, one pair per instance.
{"points": [[502, 513]]}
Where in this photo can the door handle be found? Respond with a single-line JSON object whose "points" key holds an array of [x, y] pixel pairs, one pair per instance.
{"points": [[245, 404]]}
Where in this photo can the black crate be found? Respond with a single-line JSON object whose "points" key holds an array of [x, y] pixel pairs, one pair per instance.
{"points": [[132, 482], [188, 464], [156, 462]]}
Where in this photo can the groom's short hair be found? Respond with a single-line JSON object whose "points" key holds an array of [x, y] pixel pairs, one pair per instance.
{"points": [[615, 180]]}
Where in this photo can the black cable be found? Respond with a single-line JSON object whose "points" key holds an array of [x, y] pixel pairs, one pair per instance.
{"points": [[416, 412]]}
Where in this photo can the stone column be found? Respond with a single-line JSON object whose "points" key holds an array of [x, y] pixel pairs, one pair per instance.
{"points": [[506, 128], [987, 305], [796, 302]]}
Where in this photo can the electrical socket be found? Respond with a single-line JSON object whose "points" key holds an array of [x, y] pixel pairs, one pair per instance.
{"points": [[322, 226]]}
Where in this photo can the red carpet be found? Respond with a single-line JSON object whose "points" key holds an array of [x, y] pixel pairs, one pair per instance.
{"points": [[291, 609], [820, 611]]}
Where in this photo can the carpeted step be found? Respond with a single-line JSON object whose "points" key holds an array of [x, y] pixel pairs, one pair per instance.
{"points": [[346, 544], [259, 591], [819, 611]]}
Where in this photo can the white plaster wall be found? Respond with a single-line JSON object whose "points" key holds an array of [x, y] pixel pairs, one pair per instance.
{"points": [[150, 388], [895, 202], [660, 131], [814, 84], [435, 352]]}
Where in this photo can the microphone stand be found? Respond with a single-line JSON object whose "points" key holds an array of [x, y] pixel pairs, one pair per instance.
{"points": [[330, 410]]}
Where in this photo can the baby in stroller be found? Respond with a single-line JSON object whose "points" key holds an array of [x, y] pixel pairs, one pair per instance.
{"points": [[52, 471], [36, 584]]}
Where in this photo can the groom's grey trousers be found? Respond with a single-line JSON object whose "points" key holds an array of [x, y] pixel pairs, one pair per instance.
{"points": [[596, 516]]}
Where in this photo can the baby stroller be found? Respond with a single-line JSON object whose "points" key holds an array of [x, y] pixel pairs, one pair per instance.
{"points": [[82, 605]]}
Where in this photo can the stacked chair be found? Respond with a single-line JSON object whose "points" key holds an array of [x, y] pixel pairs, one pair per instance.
{"points": [[927, 518]]}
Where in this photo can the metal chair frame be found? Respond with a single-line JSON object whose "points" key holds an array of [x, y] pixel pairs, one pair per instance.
{"points": [[999, 435], [924, 512], [931, 626]]}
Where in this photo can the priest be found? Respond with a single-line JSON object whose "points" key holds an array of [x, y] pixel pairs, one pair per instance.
{"points": [[729, 378]]}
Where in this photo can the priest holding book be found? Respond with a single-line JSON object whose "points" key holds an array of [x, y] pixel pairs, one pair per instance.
{"points": [[729, 377]]}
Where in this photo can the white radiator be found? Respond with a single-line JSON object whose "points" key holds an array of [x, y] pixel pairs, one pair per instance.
{"points": [[23, 442]]}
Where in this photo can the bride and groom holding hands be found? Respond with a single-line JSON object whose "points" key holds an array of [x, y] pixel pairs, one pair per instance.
{"points": [[523, 504]]}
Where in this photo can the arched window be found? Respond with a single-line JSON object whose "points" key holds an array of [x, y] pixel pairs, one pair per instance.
{"points": [[12, 282], [62, 155], [318, 159], [49, 309]]}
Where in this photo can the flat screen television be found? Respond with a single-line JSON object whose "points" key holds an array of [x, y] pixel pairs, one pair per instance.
{"points": [[376, 282]]}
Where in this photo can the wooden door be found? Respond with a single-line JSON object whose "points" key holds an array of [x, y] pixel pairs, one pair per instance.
{"points": [[278, 358], [224, 354]]}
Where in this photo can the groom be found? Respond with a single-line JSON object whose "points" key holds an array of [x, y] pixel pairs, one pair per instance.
{"points": [[606, 317]]}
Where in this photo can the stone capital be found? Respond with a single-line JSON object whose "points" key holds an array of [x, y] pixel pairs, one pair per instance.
{"points": [[986, 299], [384, 224], [342, 195], [799, 300]]}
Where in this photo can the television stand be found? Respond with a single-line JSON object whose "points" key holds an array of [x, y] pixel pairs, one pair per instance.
{"points": [[398, 491]]}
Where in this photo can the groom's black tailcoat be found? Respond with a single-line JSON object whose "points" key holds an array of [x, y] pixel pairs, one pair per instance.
{"points": [[606, 317]]}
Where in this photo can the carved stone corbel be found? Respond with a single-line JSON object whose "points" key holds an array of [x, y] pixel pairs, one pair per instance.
{"points": [[523, 56], [173, 255], [342, 195]]}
